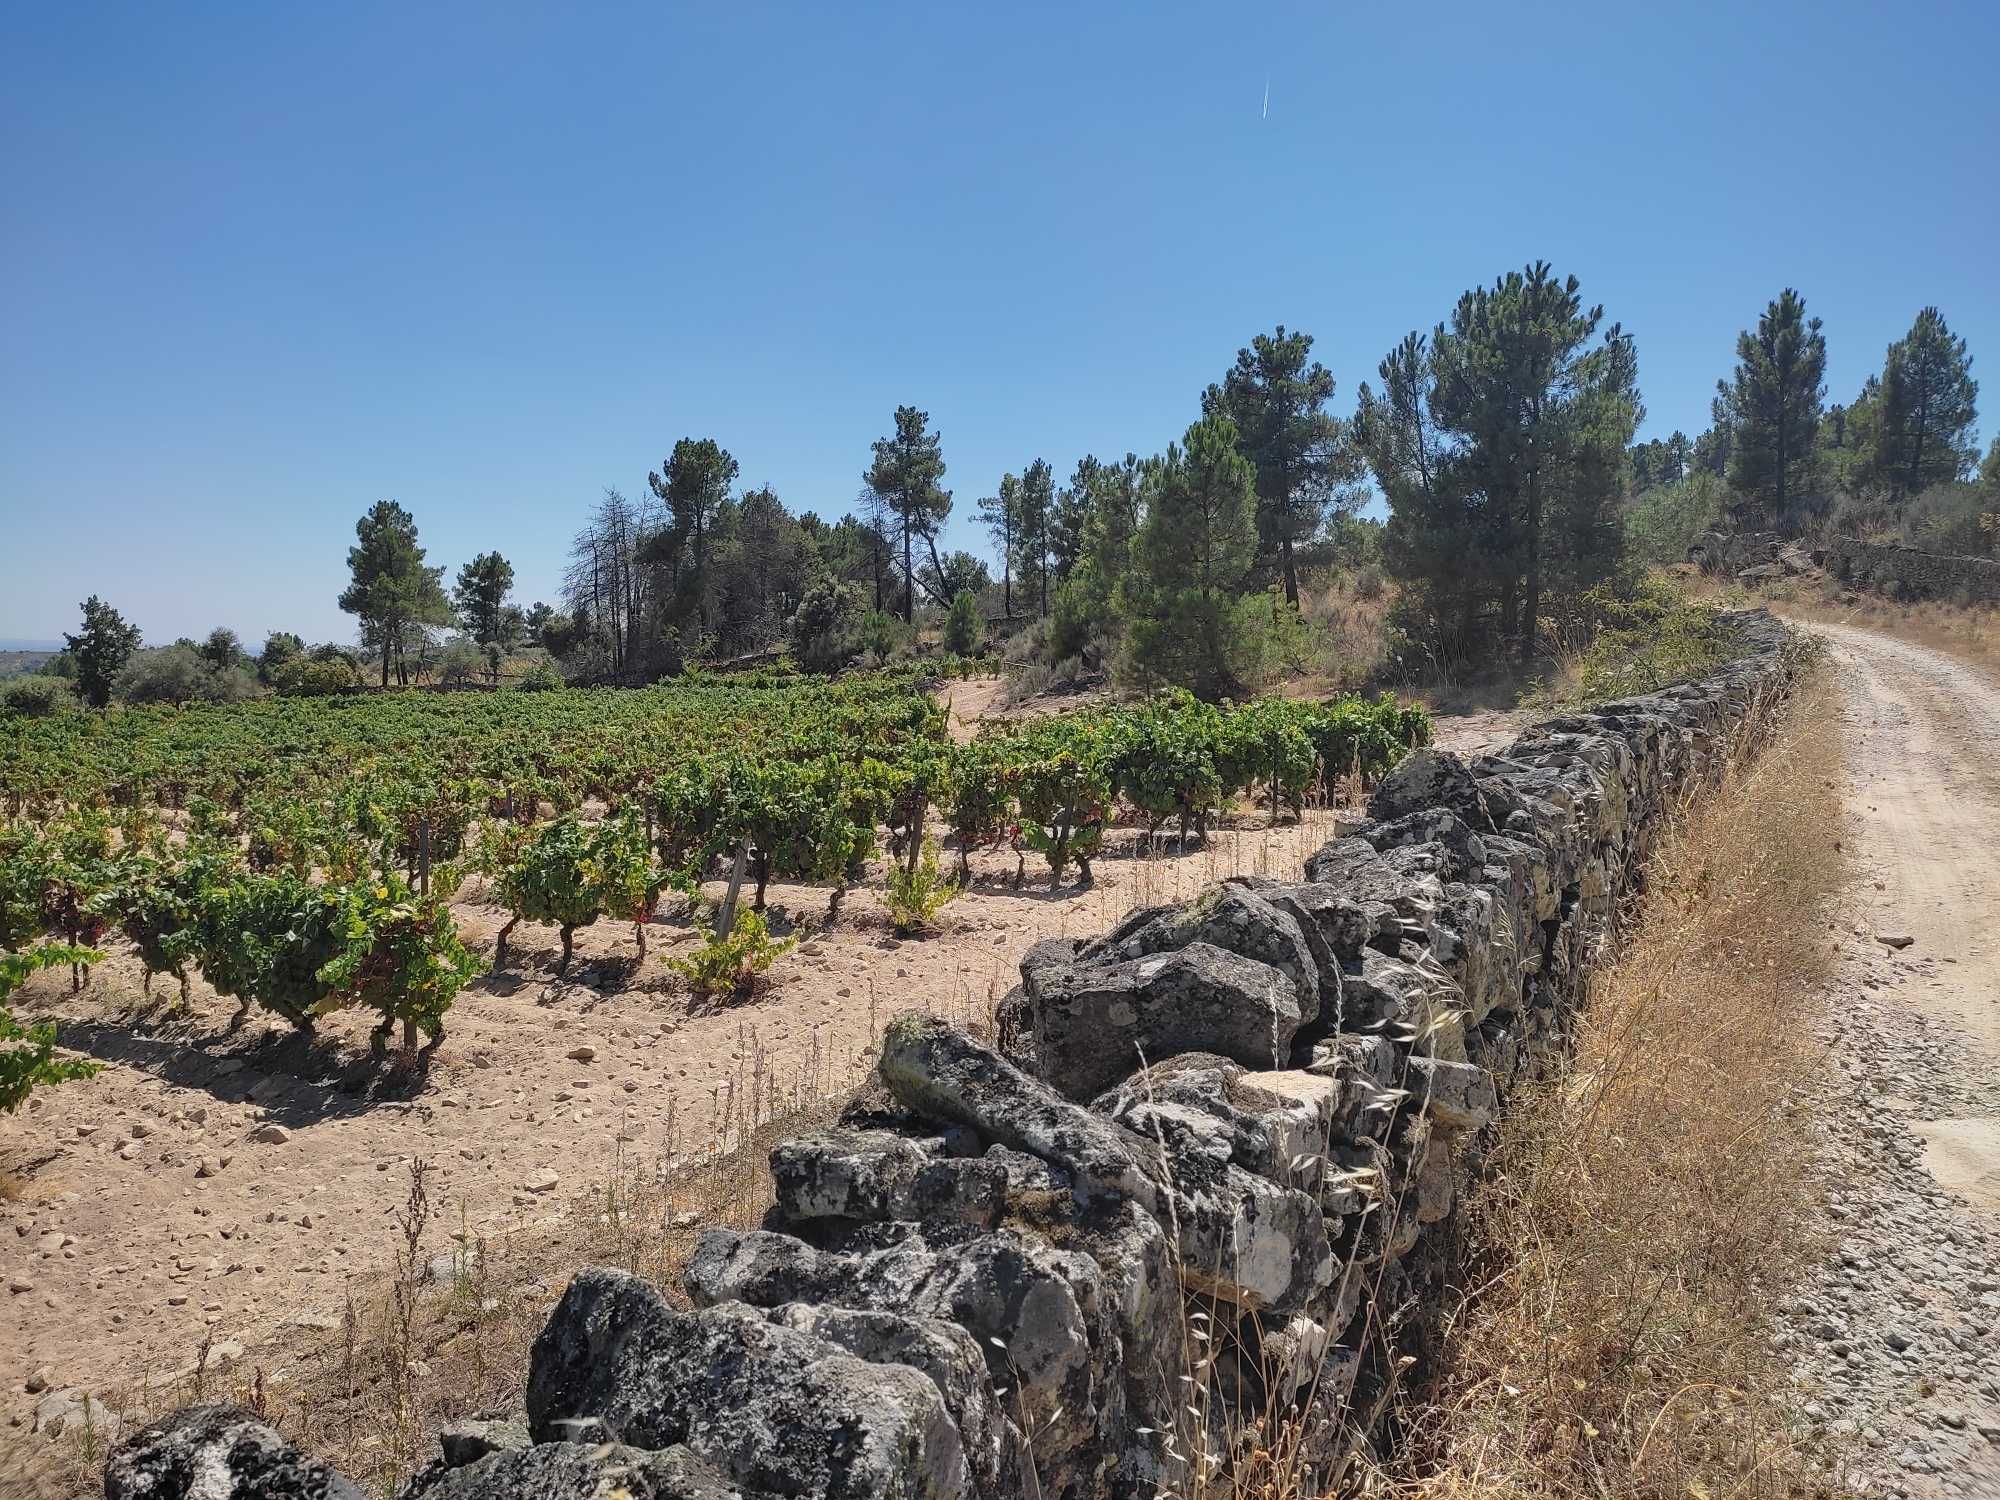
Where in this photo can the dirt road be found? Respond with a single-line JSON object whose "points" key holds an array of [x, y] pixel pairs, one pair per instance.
{"points": [[1897, 1333]]}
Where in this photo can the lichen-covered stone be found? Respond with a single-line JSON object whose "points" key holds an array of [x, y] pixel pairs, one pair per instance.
{"points": [[218, 1453], [872, 1175], [1230, 916], [581, 1471], [1096, 1023], [941, 1073], [771, 1408]]}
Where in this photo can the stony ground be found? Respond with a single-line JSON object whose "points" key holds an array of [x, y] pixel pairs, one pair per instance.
{"points": [[1897, 1333], [233, 1183]]}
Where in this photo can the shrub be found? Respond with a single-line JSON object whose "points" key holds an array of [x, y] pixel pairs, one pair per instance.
{"points": [[403, 957], [880, 635], [1370, 581], [569, 874], [314, 677], [37, 697], [1952, 518], [918, 892], [1074, 620], [1663, 522], [266, 938], [460, 661], [823, 627], [1644, 643], [730, 965], [181, 674], [963, 628], [540, 678]]}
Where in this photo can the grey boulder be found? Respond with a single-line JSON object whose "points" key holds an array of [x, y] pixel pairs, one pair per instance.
{"points": [[771, 1408], [1096, 1023], [218, 1453]]}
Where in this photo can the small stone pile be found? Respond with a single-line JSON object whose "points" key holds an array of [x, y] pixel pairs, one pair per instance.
{"points": [[1198, 1181]]}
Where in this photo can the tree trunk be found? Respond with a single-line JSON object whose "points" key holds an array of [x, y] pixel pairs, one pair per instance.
{"points": [[385, 656], [909, 578], [1290, 571], [1532, 603]]}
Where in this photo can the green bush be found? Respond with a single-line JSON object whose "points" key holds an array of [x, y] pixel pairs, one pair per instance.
{"points": [[313, 677], [1953, 518], [730, 965], [880, 635], [963, 628], [569, 873], [540, 678], [824, 625], [37, 696], [1643, 642], [181, 674], [27, 1053], [402, 957], [918, 892]]}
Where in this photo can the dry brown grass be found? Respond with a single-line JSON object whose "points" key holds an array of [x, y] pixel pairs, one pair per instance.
{"points": [[1346, 614], [1643, 1216], [1969, 632]]}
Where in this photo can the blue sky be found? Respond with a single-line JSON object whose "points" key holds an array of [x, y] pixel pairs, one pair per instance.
{"points": [[263, 265]]}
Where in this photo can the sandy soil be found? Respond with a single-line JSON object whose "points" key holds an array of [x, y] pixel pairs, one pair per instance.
{"points": [[153, 1205], [1895, 1332], [1924, 757]]}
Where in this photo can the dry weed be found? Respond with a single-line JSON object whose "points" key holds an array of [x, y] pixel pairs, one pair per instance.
{"points": [[1642, 1217], [1970, 632]]}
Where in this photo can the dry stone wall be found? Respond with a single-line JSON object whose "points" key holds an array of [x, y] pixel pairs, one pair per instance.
{"points": [[1905, 573], [1204, 1175]]}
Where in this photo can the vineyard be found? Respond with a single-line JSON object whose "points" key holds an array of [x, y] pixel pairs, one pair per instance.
{"points": [[301, 856]]}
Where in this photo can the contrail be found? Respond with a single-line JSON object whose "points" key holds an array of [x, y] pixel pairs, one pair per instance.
{"points": [[1267, 99]]}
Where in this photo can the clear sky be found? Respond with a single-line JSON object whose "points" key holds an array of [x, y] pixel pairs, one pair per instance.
{"points": [[262, 265]]}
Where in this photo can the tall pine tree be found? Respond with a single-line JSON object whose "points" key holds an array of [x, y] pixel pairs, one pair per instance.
{"points": [[1276, 395], [389, 587], [908, 473], [1002, 514], [1773, 405], [1187, 620], [1036, 536], [1500, 445], [1928, 411]]}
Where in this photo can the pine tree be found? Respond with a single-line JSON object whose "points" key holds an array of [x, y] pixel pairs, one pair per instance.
{"points": [[693, 486], [1036, 538], [1774, 409], [1276, 394], [1187, 619], [1531, 405], [1002, 514], [1069, 519], [1436, 540], [480, 594], [390, 589], [1929, 410], [100, 650], [1500, 444], [908, 473]]}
